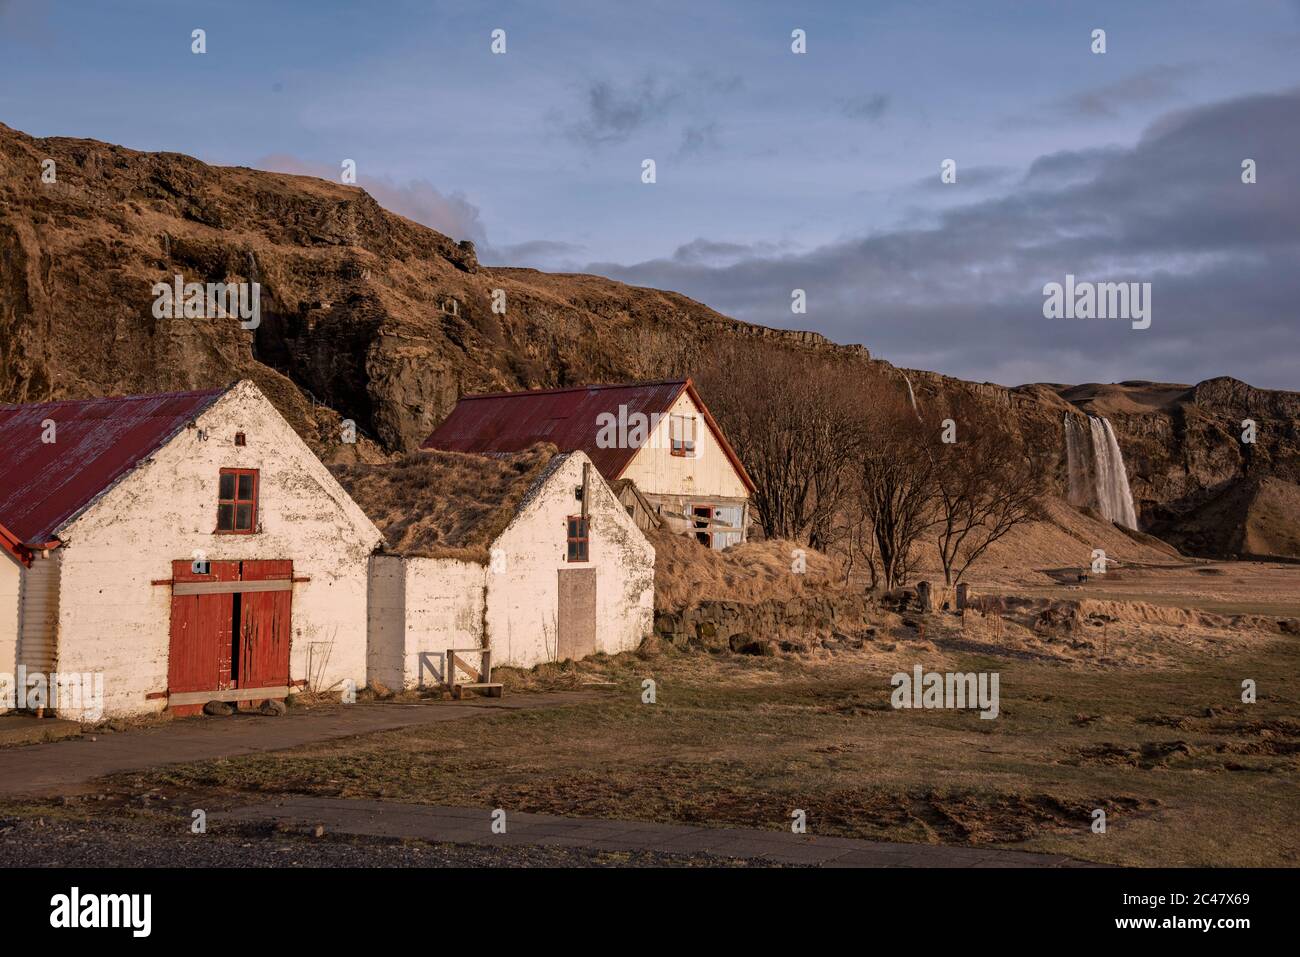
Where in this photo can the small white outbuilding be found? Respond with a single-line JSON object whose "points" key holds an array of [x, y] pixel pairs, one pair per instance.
{"points": [[529, 555], [166, 550]]}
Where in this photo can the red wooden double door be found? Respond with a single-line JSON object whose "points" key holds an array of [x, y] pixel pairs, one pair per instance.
{"points": [[225, 638]]}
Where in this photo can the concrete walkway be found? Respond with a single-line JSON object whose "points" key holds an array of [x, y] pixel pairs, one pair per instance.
{"points": [[474, 826], [62, 767]]}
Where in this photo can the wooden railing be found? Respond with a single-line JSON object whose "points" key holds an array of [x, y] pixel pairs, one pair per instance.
{"points": [[480, 678]]}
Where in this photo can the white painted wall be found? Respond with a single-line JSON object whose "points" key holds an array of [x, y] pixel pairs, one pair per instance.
{"points": [[523, 598], [709, 474], [444, 609], [112, 619], [419, 608]]}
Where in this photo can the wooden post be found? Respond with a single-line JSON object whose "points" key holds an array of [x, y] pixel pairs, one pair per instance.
{"points": [[923, 597], [586, 487], [961, 596]]}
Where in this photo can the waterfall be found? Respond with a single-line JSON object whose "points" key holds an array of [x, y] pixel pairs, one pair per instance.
{"points": [[1096, 469], [911, 395]]}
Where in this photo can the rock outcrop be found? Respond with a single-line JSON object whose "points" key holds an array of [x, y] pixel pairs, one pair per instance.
{"points": [[369, 317]]}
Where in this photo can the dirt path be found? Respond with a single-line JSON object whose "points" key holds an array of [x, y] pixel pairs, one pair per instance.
{"points": [[63, 767], [459, 825]]}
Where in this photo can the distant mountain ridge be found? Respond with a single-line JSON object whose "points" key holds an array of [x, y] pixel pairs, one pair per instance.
{"points": [[370, 317]]}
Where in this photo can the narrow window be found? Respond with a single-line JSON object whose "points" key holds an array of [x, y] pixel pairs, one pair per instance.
{"points": [[578, 539], [682, 429], [703, 520], [237, 501]]}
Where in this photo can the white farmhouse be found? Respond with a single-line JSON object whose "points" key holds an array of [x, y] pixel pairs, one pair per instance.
{"points": [[184, 547], [657, 435], [529, 556]]}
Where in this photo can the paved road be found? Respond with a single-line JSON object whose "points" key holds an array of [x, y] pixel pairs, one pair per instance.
{"points": [[388, 819], [51, 842], [64, 767]]}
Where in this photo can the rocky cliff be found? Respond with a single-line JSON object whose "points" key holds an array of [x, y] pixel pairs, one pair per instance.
{"points": [[368, 316], [362, 312]]}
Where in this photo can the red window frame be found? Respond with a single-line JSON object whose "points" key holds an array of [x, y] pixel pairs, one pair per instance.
{"points": [[237, 499], [679, 443], [578, 535]]}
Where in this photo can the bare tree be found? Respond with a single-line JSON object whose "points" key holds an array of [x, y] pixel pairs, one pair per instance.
{"points": [[896, 478], [794, 425], [989, 479], [851, 533]]}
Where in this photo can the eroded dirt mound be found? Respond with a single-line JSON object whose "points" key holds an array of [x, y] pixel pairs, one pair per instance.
{"points": [[687, 572]]}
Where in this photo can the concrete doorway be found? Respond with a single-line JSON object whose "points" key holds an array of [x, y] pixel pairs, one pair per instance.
{"points": [[576, 618]]}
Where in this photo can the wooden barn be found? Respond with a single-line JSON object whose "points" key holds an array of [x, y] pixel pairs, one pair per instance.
{"points": [[187, 547], [657, 435], [523, 558]]}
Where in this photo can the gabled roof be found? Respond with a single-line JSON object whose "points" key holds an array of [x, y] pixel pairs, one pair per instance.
{"points": [[567, 418], [97, 442], [447, 504]]}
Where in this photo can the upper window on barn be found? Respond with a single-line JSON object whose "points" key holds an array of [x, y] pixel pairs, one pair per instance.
{"points": [[237, 501], [579, 539], [683, 434]]}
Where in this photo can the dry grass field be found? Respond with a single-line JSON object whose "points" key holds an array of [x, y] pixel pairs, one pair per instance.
{"points": [[1142, 719]]}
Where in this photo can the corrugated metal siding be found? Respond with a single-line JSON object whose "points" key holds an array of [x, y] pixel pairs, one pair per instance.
{"points": [[10, 587], [43, 484], [38, 626]]}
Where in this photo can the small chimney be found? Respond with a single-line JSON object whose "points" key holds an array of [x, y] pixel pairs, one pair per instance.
{"points": [[586, 487]]}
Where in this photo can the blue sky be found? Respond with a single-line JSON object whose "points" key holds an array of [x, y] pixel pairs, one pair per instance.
{"points": [[775, 170]]}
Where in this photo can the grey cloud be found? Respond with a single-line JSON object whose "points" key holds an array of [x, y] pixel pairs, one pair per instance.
{"points": [[1068, 167], [866, 107], [965, 297], [536, 253], [611, 113], [711, 252], [699, 138], [967, 176], [1146, 86]]}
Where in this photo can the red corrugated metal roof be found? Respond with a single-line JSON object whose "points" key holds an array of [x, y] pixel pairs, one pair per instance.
{"points": [[514, 421], [97, 441]]}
